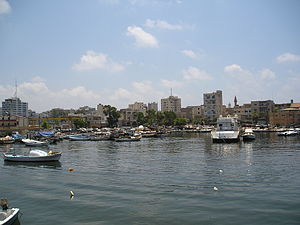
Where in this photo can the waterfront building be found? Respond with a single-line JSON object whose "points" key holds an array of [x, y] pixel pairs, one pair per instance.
{"points": [[13, 122], [129, 116], [261, 110], [286, 117], [14, 107], [192, 112], [153, 106], [213, 105], [172, 103], [243, 113], [138, 106]]}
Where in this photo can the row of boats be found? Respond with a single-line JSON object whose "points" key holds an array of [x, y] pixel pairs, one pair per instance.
{"points": [[228, 130]]}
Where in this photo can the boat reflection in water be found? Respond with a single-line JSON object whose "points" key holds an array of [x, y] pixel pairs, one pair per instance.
{"points": [[51, 165]]}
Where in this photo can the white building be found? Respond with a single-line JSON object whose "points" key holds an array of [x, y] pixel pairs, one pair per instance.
{"points": [[14, 107]]}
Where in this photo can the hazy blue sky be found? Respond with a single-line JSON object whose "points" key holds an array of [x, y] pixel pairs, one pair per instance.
{"points": [[70, 53]]}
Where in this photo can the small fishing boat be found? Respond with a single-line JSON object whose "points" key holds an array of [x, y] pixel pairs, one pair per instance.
{"points": [[248, 135], [7, 140], [8, 215], [79, 137], [129, 138], [33, 156], [31, 142]]}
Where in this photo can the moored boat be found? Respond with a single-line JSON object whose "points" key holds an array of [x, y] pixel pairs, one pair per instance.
{"points": [[290, 132], [8, 215], [248, 135], [227, 130], [7, 140], [128, 138], [79, 137], [33, 156], [34, 143]]}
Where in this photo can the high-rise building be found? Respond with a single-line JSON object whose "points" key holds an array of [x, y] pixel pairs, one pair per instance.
{"points": [[213, 104], [14, 107], [172, 103]]}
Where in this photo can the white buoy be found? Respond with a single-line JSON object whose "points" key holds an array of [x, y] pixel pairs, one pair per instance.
{"points": [[216, 189], [221, 171], [71, 194]]}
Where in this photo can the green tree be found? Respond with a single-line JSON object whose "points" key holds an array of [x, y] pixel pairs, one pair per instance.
{"points": [[45, 125], [112, 115], [151, 117], [169, 118], [180, 122], [80, 123], [160, 117], [141, 120]]}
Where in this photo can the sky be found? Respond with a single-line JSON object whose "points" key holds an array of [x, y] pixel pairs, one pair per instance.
{"points": [[73, 53]]}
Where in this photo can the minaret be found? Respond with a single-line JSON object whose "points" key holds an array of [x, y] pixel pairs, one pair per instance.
{"points": [[235, 101]]}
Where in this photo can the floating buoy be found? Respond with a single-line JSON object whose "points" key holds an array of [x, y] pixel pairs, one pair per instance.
{"points": [[216, 189], [71, 194], [221, 171], [70, 169]]}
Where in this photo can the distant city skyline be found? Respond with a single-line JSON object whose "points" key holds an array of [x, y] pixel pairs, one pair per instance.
{"points": [[67, 54]]}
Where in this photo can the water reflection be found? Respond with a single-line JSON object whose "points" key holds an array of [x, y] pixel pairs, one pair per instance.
{"points": [[51, 165], [221, 150]]}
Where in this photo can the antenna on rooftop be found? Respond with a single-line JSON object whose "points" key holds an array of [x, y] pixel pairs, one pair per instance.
{"points": [[16, 91]]}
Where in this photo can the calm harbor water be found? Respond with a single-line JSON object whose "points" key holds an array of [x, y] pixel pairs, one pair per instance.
{"points": [[159, 181]]}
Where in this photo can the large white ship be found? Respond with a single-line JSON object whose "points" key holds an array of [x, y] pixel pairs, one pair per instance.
{"points": [[227, 130]]}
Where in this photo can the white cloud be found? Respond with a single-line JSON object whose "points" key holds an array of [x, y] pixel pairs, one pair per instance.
{"points": [[193, 73], [142, 38], [4, 7], [233, 68], [162, 25], [93, 60], [190, 53], [267, 74], [171, 83], [288, 57], [41, 98], [144, 87]]}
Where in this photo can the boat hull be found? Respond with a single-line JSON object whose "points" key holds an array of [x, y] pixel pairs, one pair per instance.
{"points": [[225, 140], [24, 158], [11, 218], [248, 137], [225, 136]]}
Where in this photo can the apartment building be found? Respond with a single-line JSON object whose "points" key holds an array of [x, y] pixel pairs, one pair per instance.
{"points": [[172, 103], [14, 107], [213, 105]]}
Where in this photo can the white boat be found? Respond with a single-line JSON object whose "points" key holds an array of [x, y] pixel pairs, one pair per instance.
{"points": [[31, 142], [290, 132], [33, 156], [248, 135], [7, 140], [227, 130], [8, 216], [79, 137]]}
